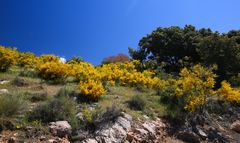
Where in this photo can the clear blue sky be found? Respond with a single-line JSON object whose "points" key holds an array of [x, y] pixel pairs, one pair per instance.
{"points": [[95, 29]]}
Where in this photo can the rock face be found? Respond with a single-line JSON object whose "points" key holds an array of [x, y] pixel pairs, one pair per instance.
{"points": [[3, 91], [235, 126], [60, 128], [124, 130], [114, 132], [149, 131]]}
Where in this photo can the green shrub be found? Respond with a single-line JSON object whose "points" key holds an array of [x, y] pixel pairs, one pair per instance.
{"points": [[28, 73], [18, 81], [10, 105], [108, 115], [137, 103], [235, 80], [174, 105], [56, 109], [66, 91], [40, 96]]}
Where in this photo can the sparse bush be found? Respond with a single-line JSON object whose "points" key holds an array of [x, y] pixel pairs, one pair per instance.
{"points": [[137, 103], [17, 81], [174, 105], [235, 80], [56, 109], [66, 91], [109, 115], [39, 96], [10, 105], [28, 73]]}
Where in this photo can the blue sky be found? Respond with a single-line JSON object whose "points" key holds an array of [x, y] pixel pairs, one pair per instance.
{"points": [[94, 29]]}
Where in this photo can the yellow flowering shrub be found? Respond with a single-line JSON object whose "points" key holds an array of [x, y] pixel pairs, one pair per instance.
{"points": [[126, 74], [53, 70], [28, 60], [91, 89], [194, 85], [228, 93], [83, 71], [8, 57], [49, 58]]}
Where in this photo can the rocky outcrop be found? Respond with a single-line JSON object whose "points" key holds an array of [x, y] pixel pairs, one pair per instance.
{"points": [[149, 131], [60, 128], [114, 132], [123, 130]]}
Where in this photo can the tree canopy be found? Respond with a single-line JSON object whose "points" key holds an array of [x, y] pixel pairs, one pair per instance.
{"points": [[174, 48]]}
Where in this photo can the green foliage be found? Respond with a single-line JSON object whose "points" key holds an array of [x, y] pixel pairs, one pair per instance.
{"points": [[17, 81], [109, 115], [174, 48], [10, 105], [66, 91], [56, 109], [235, 80], [137, 103], [174, 105], [39, 96], [223, 51], [28, 73], [75, 60]]}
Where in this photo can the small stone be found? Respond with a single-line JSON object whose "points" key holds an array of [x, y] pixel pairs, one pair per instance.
{"points": [[12, 140], [60, 128], [4, 82], [146, 117], [188, 136], [80, 116], [89, 141], [4, 91], [201, 133], [235, 126], [141, 132], [52, 141], [42, 138]]}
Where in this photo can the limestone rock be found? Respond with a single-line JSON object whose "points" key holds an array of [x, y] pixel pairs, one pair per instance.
{"points": [[60, 128], [114, 132]]}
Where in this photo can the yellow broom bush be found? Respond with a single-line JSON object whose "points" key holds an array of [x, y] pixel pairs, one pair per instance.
{"points": [[227, 93], [8, 57]]}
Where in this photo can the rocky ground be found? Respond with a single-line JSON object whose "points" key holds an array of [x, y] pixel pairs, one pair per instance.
{"points": [[219, 124]]}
